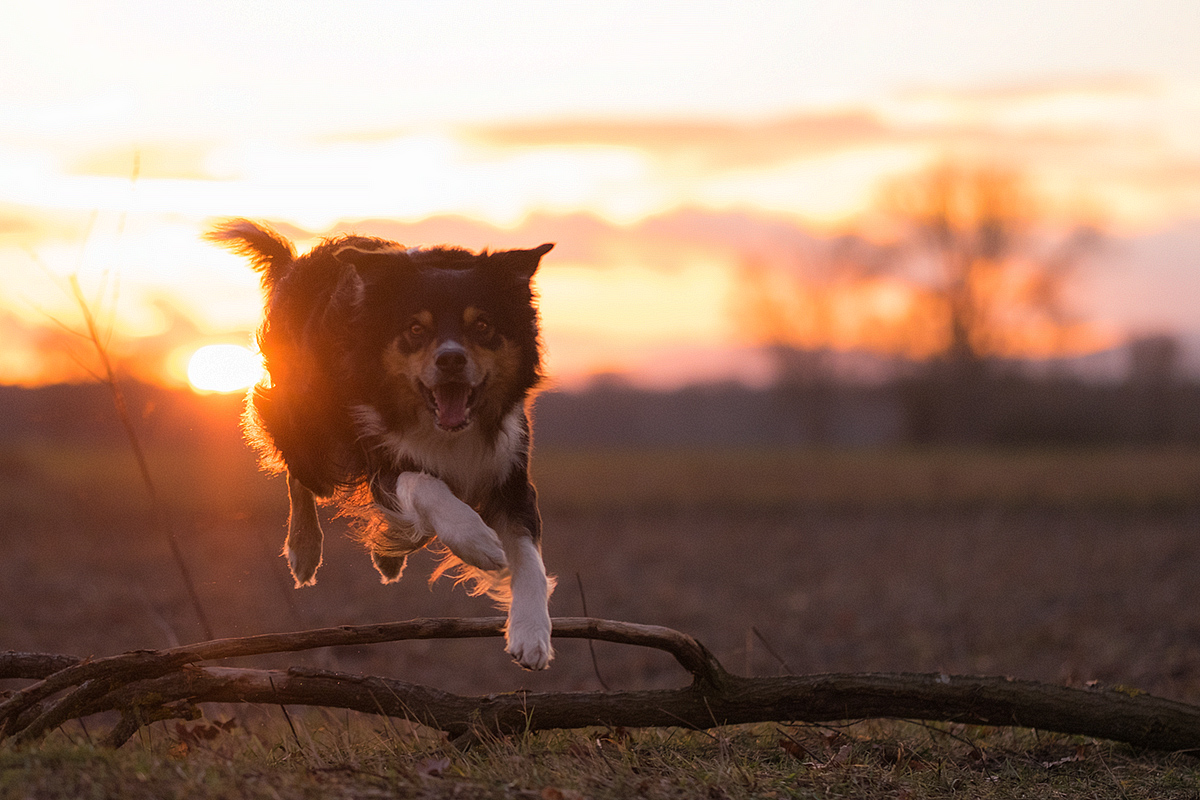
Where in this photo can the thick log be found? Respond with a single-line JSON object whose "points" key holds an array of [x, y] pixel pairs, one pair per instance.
{"points": [[153, 685], [1116, 714]]}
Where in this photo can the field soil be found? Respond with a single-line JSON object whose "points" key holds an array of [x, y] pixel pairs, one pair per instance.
{"points": [[910, 568]]}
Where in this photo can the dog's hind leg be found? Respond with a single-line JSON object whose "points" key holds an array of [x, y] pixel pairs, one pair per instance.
{"points": [[303, 548], [390, 545], [527, 634]]}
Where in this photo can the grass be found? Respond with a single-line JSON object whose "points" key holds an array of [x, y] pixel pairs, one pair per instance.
{"points": [[1058, 565], [351, 756], [1107, 477], [225, 479]]}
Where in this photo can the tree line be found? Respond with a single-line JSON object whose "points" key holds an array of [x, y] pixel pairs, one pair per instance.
{"points": [[963, 286]]}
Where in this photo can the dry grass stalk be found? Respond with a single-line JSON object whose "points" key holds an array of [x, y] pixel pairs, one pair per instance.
{"points": [[108, 376]]}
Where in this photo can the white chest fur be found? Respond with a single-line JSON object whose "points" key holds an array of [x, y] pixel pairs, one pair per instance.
{"points": [[468, 461]]}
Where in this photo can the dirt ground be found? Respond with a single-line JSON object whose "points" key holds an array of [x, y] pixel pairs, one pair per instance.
{"points": [[1061, 594]]}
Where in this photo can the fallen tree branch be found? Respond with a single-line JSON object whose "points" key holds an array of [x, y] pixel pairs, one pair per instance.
{"points": [[1123, 716], [25, 715], [33, 665], [148, 685]]}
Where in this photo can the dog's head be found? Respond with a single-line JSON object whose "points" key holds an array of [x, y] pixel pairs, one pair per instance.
{"points": [[454, 333]]}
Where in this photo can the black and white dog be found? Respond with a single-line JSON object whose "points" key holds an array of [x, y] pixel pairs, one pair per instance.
{"points": [[397, 382]]}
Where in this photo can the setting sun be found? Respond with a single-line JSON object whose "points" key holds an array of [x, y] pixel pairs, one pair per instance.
{"points": [[223, 368]]}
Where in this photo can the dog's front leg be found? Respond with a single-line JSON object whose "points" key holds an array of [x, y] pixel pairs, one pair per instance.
{"points": [[434, 510], [527, 635], [303, 547]]}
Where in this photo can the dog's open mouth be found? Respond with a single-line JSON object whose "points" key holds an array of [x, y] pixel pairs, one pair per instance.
{"points": [[451, 404]]}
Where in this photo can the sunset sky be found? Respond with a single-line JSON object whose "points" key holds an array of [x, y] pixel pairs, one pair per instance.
{"points": [[663, 146]]}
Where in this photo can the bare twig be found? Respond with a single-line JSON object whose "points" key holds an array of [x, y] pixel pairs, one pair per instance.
{"points": [[591, 644], [286, 715], [787, 668]]}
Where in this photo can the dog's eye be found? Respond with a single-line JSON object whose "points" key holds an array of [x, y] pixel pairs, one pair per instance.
{"points": [[482, 327], [416, 330]]}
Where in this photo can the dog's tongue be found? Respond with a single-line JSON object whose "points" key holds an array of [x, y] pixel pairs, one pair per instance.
{"points": [[451, 401]]}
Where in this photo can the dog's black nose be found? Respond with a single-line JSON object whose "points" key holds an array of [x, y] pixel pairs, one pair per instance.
{"points": [[451, 359]]}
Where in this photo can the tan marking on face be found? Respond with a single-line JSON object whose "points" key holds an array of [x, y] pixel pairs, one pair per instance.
{"points": [[402, 368], [470, 315], [397, 363]]}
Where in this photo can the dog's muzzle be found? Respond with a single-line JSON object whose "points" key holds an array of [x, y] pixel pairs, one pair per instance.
{"points": [[452, 394]]}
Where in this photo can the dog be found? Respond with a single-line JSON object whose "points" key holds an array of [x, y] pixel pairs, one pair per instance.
{"points": [[397, 382]]}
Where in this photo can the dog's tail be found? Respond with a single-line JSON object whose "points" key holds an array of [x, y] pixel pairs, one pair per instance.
{"points": [[268, 251]]}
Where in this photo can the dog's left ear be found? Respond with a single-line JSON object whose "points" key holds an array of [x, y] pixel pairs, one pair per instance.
{"points": [[521, 263]]}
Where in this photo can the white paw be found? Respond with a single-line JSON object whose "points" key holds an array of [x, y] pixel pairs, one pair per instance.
{"points": [[304, 556], [469, 538], [528, 643]]}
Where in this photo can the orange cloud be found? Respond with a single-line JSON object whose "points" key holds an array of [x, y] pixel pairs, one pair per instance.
{"points": [[1103, 86], [705, 145], [1111, 141]]}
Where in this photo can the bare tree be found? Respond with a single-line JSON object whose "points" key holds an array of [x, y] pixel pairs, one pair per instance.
{"points": [[995, 276], [975, 274]]}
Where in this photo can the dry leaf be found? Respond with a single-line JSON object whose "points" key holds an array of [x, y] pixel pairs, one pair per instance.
{"points": [[795, 749], [1080, 755], [843, 755], [834, 740]]}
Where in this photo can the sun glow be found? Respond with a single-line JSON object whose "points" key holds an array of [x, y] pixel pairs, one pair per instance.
{"points": [[223, 368]]}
